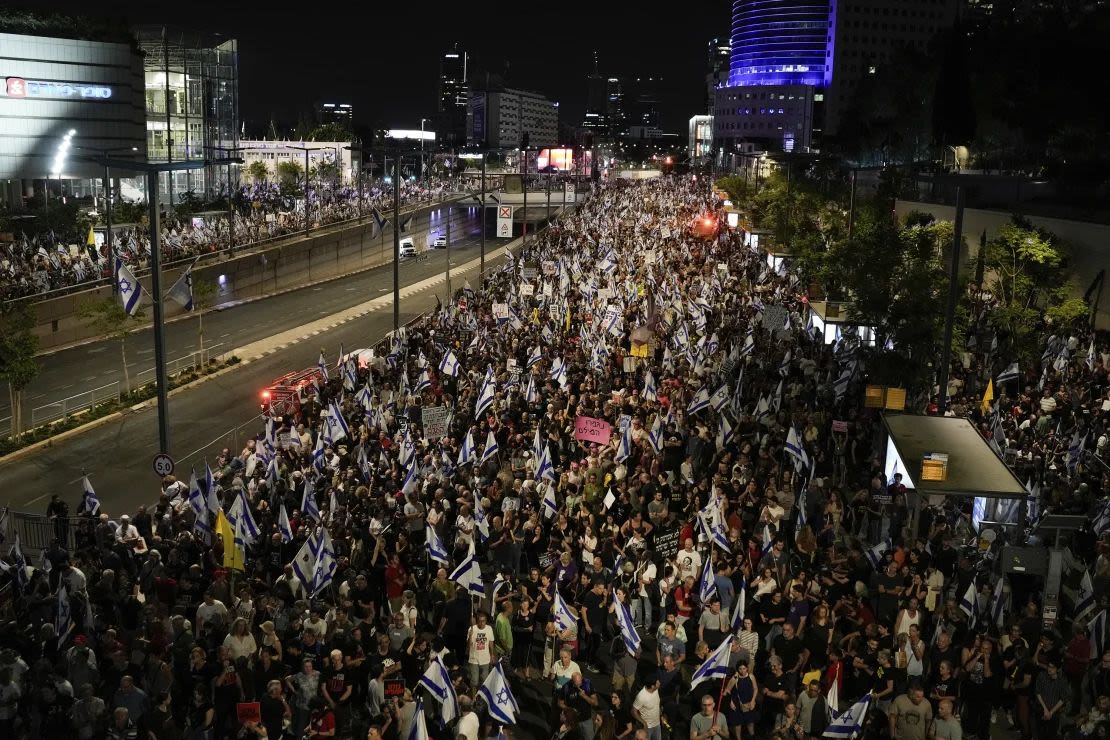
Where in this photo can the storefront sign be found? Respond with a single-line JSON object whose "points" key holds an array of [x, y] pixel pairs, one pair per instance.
{"points": [[17, 87]]}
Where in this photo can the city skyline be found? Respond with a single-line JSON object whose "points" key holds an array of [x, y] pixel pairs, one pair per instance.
{"points": [[279, 81]]}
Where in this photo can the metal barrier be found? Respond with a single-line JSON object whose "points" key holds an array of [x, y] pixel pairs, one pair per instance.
{"points": [[71, 405], [37, 532], [191, 361]]}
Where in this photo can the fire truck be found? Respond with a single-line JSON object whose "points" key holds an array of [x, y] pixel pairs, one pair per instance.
{"points": [[285, 395]]}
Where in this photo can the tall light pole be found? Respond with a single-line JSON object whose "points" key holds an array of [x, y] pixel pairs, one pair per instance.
{"points": [[103, 152], [953, 299], [482, 213], [422, 120], [397, 239], [353, 149], [306, 150]]}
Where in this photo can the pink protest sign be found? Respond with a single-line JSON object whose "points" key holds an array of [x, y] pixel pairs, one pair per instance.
{"points": [[592, 430]]}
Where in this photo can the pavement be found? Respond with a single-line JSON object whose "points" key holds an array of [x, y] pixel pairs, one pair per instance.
{"points": [[66, 373], [271, 335]]}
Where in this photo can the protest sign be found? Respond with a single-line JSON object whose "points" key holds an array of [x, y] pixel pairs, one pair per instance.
{"points": [[589, 429]]}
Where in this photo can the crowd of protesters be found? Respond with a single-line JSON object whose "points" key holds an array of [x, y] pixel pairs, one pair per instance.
{"points": [[725, 518], [33, 265]]}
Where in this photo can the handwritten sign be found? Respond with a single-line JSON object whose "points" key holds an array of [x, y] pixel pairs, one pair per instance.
{"points": [[589, 429], [434, 419], [774, 317], [649, 257], [604, 294], [548, 267], [666, 544], [527, 289], [528, 273], [840, 426], [501, 311]]}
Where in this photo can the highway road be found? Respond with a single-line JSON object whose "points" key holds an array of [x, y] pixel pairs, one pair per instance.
{"points": [[221, 412], [69, 372]]}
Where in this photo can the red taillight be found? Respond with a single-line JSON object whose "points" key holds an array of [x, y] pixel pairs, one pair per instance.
{"points": [[265, 395]]}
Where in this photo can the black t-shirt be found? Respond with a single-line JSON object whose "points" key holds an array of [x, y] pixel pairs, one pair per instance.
{"points": [[337, 680], [595, 605], [789, 650], [771, 705], [377, 660], [770, 610], [943, 687]]}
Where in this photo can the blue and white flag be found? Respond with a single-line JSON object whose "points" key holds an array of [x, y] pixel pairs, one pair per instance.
{"points": [[850, 724], [707, 585], [565, 617], [549, 505], [1085, 598], [309, 506], [1091, 357], [319, 462], [481, 521], [624, 450], [419, 729], [19, 562], [1009, 374], [246, 528], [969, 604], [182, 291], [1098, 635], [212, 499], [715, 666], [90, 504], [449, 365], [650, 392], [875, 554], [322, 366], [436, 550], [544, 468], [469, 575], [559, 372], [466, 452], [485, 395], [531, 395], [998, 603], [795, 448], [699, 402], [740, 607], [768, 542], [283, 524], [491, 447], [624, 621], [130, 290], [499, 698], [534, 357], [655, 436], [438, 683], [63, 615], [325, 565], [199, 507]]}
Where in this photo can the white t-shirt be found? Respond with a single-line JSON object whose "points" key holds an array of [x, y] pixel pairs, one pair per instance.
{"points": [[468, 726], [647, 704], [689, 563], [480, 639], [217, 611]]}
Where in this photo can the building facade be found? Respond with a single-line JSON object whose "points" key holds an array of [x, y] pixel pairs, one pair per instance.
{"points": [[507, 119], [192, 106], [341, 114], [451, 95], [795, 64], [701, 138], [272, 153], [51, 86], [718, 64]]}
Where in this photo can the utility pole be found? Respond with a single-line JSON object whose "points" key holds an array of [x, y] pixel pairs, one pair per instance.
{"points": [[524, 209], [397, 239], [852, 205], [447, 251], [156, 299], [953, 296], [482, 230], [230, 216]]}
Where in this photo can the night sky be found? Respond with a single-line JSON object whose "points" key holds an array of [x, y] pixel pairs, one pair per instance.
{"points": [[385, 62]]}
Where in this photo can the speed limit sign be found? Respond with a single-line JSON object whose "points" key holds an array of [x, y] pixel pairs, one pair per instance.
{"points": [[163, 465]]}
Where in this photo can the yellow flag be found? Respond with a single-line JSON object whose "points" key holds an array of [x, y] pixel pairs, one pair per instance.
{"points": [[233, 556], [568, 321], [988, 396], [90, 240]]}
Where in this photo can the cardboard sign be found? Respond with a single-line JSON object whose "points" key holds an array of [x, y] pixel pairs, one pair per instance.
{"points": [[394, 687], [774, 317], [501, 311], [548, 267], [604, 294], [528, 273], [840, 426], [527, 289], [283, 440], [666, 544], [589, 429], [434, 419], [248, 711], [649, 257]]}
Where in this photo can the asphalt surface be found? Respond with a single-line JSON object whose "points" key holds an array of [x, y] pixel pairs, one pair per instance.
{"points": [[223, 411], [72, 371]]}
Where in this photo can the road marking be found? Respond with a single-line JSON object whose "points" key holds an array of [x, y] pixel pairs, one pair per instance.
{"points": [[110, 372], [351, 290], [36, 499], [41, 395], [225, 335], [94, 350], [67, 386], [144, 351], [91, 377], [383, 290]]}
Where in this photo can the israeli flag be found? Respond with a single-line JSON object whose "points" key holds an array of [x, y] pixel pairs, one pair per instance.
{"points": [[130, 290], [874, 554], [1091, 358], [283, 524], [481, 521], [768, 542], [565, 617], [1085, 599], [650, 392], [624, 621], [419, 729], [380, 220], [19, 562], [466, 452], [699, 402], [63, 616], [715, 666], [325, 565], [544, 469], [535, 357], [246, 525], [90, 504], [624, 451], [531, 396], [211, 488], [308, 501], [969, 604], [449, 365], [998, 603], [739, 608], [182, 290], [407, 451], [499, 698], [491, 447], [436, 550], [725, 434], [794, 447], [655, 436], [707, 585], [485, 395], [1009, 374], [469, 575], [559, 372], [550, 507], [438, 682], [322, 366], [850, 724], [1098, 635], [318, 461]]}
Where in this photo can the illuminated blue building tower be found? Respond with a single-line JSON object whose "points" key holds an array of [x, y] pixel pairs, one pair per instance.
{"points": [[795, 65]]}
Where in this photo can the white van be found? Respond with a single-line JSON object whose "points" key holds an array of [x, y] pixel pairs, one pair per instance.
{"points": [[408, 248]]}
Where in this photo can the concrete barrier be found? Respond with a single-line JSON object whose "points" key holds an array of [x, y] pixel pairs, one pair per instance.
{"points": [[1089, 242], [292, 262]]}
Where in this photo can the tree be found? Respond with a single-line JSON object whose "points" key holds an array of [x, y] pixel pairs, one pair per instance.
{"points": [[258, 171], [1028, 274], [326, 170], [330, 132], [204, 295], [18, 344], [108, 319]]}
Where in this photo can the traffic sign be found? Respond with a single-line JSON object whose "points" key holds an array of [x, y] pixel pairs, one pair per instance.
{"points": [[163, 465]]}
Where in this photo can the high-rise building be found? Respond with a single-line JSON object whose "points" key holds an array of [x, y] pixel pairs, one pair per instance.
{"points": [[701, 138], [718, 63], [342, 114], [451, 96], [597, 103], [642, 101], [504, 118], [192, 105], [795, 64]]}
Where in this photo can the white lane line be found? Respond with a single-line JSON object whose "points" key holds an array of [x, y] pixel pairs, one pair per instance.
{"points": [[94, 350], [36, 499], [91, 377], [41, 395], [67, 386], [225, 335], [144, 351]]}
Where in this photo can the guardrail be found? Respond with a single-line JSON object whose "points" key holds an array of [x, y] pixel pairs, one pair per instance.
{"points": [[197, 359], [72, 404], [240, 249]]}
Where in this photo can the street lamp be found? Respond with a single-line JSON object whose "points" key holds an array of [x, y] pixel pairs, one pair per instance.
{"points": [[398, 136], [422, 120], [103, 152], [56, 167], [352, 149], [306, 150]]}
